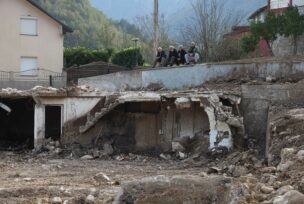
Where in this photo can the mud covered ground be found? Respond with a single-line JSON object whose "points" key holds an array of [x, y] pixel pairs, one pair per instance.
{"points": [[27, 179]]}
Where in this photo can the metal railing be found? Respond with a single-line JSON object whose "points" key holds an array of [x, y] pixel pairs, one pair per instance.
{"points": [[90, 70], [32, 75]]}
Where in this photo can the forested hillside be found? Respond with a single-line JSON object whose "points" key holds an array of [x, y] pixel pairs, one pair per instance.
{"points": [[92, 29]]}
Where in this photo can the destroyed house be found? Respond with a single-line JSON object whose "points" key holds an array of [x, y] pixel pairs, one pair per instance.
{"points": [[131, 121], [153, 114]]}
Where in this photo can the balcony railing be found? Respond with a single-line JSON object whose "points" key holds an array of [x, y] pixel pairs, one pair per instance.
{"points": [[32, 75]]}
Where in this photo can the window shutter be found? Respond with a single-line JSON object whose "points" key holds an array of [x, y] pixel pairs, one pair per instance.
{"points": [[28, 66], [28, 26]]}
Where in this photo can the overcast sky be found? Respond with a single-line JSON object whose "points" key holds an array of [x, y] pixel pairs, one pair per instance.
{"points": [[129, 9]]}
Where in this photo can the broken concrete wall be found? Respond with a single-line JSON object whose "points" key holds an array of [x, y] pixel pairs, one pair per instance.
{"points": [[129, 127], [183, 122], [221, 121], [185, 77], [256, 120], [71, 108], [140, 121], [256, 102], [152, 125]]}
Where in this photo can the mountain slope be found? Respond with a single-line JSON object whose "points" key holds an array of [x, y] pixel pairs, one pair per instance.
{"points": [[91, 27]]}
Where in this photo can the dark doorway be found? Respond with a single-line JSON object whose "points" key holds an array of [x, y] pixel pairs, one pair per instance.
{"points": [[53, 122], [17, 126]]}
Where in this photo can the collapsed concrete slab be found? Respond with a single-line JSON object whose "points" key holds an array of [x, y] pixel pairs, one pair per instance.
{"points": [[132, 121], [142, 121]]}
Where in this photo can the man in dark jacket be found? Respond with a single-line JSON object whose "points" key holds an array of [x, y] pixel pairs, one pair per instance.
{"points": [[181, 55], [160, 58], [172, 56], [192, 55]]}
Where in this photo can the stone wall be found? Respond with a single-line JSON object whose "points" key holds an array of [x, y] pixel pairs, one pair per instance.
{"points": [[284, 46]]}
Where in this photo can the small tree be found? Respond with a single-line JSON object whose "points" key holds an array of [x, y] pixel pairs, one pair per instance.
{"points": [[292, 25], [249, 43], [267, 30]]}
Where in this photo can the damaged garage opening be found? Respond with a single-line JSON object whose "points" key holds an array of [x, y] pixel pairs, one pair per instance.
{"points": [[131, 127], [53, 122], [17, 123], [140, 121], [152, 126]]}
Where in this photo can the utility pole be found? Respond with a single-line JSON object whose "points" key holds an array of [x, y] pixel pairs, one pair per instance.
{"points": [[155, 36], [135, 40]]}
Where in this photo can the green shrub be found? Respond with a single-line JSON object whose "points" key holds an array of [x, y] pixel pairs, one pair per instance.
{"points": [[127, 57], [80, 56], [249, 43]]}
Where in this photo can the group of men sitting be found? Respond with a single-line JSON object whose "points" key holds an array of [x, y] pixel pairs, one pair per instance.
{"points": [[179, 57]]}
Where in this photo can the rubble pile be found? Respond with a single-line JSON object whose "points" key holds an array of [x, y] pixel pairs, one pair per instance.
{"points": [[176, 189], [287, 126], [99, 151]]}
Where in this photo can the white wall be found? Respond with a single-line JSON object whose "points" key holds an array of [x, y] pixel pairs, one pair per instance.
{"points": [[39, 125], [72, 108], [47, 46]]}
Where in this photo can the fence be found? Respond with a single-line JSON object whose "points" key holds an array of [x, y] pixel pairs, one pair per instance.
{"points": [[30, 78], [90, 70]]}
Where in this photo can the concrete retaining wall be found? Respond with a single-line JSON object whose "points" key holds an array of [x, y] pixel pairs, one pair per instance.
{"points": [[277, 93], [256, 100], [185, 77]]}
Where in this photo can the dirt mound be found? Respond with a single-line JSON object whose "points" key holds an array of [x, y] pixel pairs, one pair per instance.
{"points": [[176, 189], [286, 131]]}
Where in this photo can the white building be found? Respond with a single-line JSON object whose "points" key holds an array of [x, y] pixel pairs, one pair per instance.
{"points": [[31, 40]]}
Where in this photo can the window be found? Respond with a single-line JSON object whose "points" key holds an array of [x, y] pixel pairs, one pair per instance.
{"points": [[28, 66], [276, 4], [298, 2], [29, 26]]}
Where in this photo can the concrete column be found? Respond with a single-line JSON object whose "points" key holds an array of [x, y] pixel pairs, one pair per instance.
{"points": [[216, 129], [39, 126]]}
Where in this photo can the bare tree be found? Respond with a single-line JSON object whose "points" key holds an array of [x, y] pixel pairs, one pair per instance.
{"points": [[210, 21], [146, 26]]}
